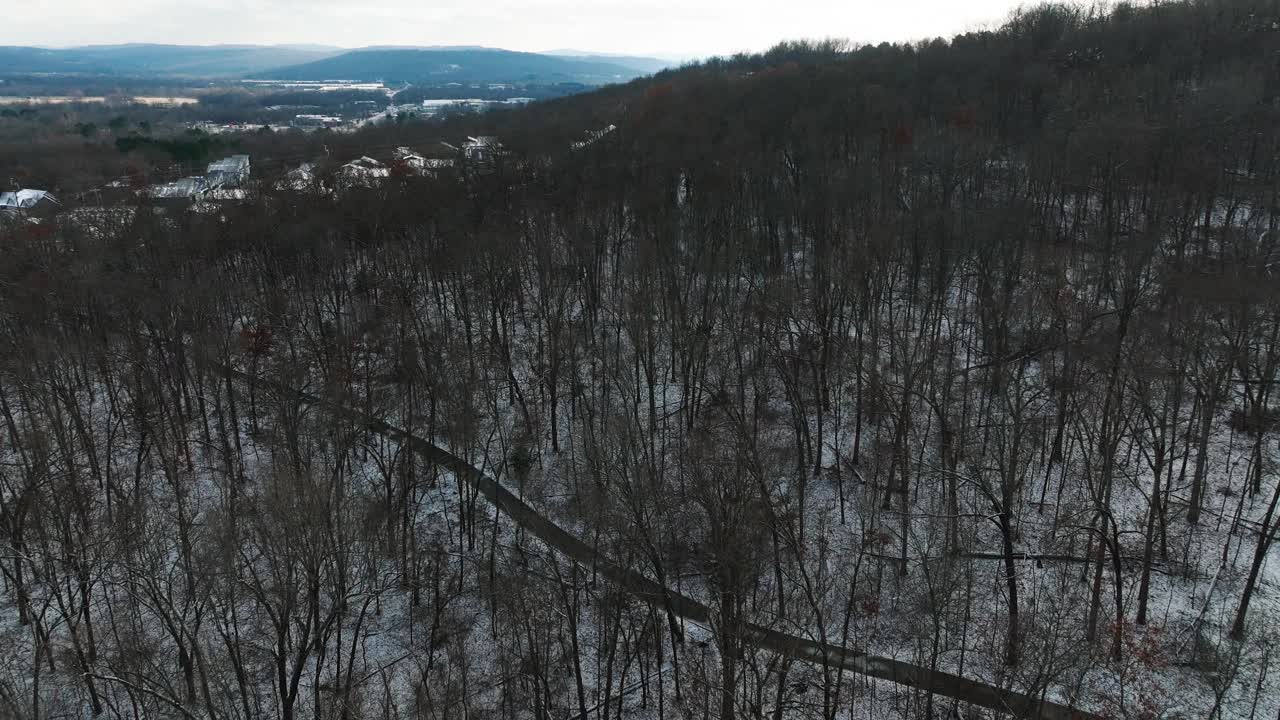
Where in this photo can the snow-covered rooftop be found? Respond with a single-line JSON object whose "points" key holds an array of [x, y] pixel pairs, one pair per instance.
{"points": [[233, 164], [25, 199], [185, 188]]}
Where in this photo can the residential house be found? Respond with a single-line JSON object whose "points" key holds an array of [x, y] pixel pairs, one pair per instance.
{"points": [[228, 172], [434, 158], [363, 172], [187, 188], [410, 160], [27, 201], [226, 194], [481, 150], [300, 179], [219, 179]]}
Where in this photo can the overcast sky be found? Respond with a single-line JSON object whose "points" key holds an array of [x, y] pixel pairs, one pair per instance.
{"points": [[662, 27]]}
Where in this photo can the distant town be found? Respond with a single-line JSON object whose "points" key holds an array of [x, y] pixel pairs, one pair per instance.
{"points": [[139, 128]]}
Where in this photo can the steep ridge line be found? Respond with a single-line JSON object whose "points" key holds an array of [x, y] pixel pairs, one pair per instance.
{"points": [[946, 684]]}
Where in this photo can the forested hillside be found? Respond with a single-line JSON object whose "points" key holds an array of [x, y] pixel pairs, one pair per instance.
{"points": [[928, 381]]}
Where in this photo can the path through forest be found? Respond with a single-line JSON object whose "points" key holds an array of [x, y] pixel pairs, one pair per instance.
{"points": [[806, 650]]}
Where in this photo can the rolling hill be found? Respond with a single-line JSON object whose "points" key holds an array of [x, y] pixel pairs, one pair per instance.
{"points": [[647, 64], [460, 65], [314, 62], [157, 60]]}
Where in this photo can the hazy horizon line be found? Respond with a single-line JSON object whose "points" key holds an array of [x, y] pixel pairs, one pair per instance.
{"points": [[566, 52]]}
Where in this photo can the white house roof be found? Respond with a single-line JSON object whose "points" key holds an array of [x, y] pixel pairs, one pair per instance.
{"points": [[364, 162], [184, 188], [23, 199], [228, 194], [364, 170], [407, 155], [233, 164], [301, 177]]}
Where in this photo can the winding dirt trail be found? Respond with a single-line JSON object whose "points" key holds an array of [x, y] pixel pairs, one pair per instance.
{"points": [[811, 651]]}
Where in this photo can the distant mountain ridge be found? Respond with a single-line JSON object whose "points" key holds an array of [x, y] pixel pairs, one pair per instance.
{"points": [[648, 64], [468, 65], [316, 62], [157, 60]]}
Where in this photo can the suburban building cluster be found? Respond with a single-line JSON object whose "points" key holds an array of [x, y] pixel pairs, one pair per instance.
{"points": [[227, 179]]}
